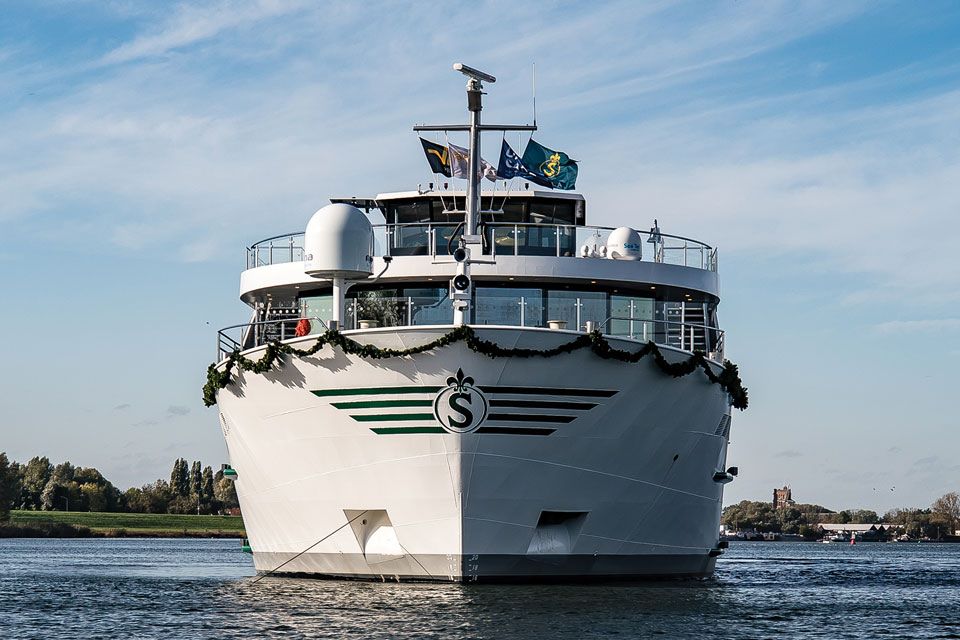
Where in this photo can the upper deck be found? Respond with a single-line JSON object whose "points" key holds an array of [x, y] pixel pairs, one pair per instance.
{"points": [[528, 223], [540, 263]]}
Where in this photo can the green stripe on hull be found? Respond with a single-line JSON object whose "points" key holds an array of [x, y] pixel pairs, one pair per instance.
{"points": [[393, 417], [376, 404], [392, 430], [373, 391]]}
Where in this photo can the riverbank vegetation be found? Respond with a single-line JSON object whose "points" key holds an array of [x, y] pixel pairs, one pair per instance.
{"points": [[40, 499], [81, 524], [938, 522]]}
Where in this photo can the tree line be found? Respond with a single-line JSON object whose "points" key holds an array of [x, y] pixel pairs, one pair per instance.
{"points": [[940, 520], [39, 485]]}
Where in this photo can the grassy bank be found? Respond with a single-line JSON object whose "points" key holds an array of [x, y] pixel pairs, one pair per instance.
{"points": [[127, 524]]}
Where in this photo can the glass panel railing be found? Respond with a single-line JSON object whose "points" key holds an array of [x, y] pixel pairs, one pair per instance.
{"points": [[372, 311], [499, 239]]}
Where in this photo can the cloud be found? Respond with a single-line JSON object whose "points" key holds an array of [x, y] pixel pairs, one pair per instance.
{"points": [[788, 453], [146, 423], [122, 407], [940, 325], [177, 410], [191, 25]]}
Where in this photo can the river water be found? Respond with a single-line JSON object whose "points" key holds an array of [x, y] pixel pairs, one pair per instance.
{"points": [[146, 588]]}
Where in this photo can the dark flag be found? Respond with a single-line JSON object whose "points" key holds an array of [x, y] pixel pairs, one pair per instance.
{"points": [[555, 166], [511, 166], [438, 156]]}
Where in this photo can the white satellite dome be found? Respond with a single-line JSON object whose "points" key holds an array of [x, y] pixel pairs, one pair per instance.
{"points": [[338, 243], [624, 243]]}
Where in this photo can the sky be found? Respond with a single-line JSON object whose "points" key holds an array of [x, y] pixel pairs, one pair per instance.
{"points": [[816, 144]]}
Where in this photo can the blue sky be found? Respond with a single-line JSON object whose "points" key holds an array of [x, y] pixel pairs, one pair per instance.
{"points": [[816, 143]]}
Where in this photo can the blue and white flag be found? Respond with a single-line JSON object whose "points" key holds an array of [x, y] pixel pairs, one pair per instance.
{"points": [[511, 166]]}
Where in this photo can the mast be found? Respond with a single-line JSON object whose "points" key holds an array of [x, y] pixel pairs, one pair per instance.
{"points": [[470, 244], [475, 106]]}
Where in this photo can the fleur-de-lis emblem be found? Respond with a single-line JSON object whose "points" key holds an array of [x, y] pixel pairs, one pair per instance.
{"points": [[460, 407], [460, 381]]}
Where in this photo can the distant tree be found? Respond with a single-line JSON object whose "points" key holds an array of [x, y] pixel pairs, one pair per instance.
{"points": [[61, 492], [863, 516], [196, 480], [96, 492], [916, 523], [34, 476], [947, 509], [9, 487], [207, 489], [746, 515], [150, 498], [180, 478]]}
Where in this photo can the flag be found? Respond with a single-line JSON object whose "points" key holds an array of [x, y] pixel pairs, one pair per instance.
{"points": [[438, 156], [555, 166], [511, 166], [460, 164]]}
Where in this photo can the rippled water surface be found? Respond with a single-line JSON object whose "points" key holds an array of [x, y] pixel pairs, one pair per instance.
{"points": [[204, 589]]}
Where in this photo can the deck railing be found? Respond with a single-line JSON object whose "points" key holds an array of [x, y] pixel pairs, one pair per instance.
{"points": [[435, 239], [685, 336]]}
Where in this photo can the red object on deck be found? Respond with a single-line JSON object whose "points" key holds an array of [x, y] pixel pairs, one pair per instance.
{"points": [[303, 328]]}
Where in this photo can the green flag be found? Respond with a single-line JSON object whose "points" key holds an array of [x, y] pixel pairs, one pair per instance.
{"points": [[438, 156], [556, 167]]}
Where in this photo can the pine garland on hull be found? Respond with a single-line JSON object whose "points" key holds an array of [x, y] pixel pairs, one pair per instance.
{"points": [[728, 379]]}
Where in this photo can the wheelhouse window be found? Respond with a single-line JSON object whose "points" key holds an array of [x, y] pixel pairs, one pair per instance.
{"points": [[511, 225]]}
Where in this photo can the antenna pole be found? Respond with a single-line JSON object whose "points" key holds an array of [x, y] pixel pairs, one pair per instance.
{"points": [[474, 100], [534, 94]]}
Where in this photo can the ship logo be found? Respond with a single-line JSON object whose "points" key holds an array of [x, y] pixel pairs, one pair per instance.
{"points": [[551, 166], [460, 407]]}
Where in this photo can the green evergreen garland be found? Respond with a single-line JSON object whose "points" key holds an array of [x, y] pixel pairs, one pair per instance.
{"points": [[728, 379]]}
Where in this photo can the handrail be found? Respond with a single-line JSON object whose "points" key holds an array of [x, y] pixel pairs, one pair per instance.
{"points": [[711, 336], [684, 341], [297, 234], [226, 344]]}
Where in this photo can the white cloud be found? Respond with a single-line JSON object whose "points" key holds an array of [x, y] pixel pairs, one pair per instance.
{"points": [[192, 24], [939, 325]]}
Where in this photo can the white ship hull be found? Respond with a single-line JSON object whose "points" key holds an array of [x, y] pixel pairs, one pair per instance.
{"points": [[343, 468]]}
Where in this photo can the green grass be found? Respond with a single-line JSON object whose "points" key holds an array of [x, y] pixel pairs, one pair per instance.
{"points": [[142, 523]]}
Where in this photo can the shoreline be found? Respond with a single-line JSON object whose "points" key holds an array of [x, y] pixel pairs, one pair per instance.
{"points": [[85, 524], [67, 531]]}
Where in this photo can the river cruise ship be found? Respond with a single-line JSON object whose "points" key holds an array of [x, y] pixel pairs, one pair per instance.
{"points": [[457, 385]]}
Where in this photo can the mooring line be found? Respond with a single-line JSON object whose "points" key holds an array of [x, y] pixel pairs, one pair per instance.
{"points": [[349, 522]]}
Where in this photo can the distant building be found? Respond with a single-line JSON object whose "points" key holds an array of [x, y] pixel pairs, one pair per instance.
{"points": [[782, 498]]}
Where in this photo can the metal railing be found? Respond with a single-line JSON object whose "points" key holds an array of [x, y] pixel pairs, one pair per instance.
{"points": [[240, 337], [680, 335], [685, 336], [434, 238]]}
